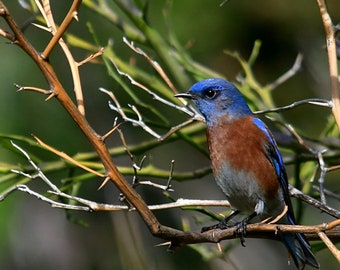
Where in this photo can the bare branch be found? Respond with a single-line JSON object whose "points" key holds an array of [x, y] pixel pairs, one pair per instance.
{"points": [[6, 35], [34, 89], [318, 153], [72, 14], [39, 174], [311, 101], [155, 65], [332, 58], [67, 157], [117, 108], [57, 38], [317, 204], [290, 73], [91, 57], [53, 203], [328, 192], [101, 149], [191, 111], [330, 245], [176, 128]]}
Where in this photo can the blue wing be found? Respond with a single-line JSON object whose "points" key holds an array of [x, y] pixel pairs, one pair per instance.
{"points": [[275, 158]]}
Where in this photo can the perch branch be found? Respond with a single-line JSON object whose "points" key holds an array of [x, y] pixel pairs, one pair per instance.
{"points": [[326, 231]]}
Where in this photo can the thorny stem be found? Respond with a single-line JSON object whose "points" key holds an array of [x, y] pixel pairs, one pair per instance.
{"points": [[96, 140], [72, 14], [57, 38]]}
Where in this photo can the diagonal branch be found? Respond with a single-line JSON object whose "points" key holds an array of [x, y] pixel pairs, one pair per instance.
{"points": [[72, 14], [112, 171]]}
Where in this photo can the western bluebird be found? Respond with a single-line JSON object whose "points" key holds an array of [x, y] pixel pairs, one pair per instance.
{"points": [[246, 162]]}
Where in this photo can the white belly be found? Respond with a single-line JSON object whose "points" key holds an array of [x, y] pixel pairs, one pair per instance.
{"points": [[241, 189]]}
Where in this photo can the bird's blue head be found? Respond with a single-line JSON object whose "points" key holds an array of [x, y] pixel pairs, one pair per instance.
{"points": [[216, 98]]}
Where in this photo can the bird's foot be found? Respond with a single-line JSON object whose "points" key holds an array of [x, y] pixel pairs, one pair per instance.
{"points": [[241, 231], [222, 225], [241, 228]]}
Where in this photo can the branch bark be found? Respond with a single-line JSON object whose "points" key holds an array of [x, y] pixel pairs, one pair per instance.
{"points": [[332, 59], [96, 140]]}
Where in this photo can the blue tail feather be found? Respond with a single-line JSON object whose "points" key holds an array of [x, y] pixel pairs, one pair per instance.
{"points": [[299, 250]]}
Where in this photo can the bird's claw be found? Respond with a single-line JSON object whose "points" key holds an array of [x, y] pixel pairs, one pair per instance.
{"points": [[241, 231]]}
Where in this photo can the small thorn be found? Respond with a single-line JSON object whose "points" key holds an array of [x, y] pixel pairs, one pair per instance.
{"points": [[163, 244], [106, 180], [47, 29], [20, 88], [52, 94], [219, 247], [105, 136], [75, 16], [3, 12]]}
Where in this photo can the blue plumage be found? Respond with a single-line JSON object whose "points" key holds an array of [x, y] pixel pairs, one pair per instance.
{"points": [[246, 162]]}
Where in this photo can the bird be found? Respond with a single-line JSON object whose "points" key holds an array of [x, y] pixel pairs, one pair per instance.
{"points": [[246, 162]]}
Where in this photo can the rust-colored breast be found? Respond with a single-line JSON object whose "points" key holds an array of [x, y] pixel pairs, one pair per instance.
{"points": [[240, 144]]}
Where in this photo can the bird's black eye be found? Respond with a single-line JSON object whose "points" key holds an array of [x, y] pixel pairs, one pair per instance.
{"points": [[210, 93]]}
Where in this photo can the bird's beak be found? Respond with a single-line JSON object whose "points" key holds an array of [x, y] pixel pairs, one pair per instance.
{"points": [[184, 95]]}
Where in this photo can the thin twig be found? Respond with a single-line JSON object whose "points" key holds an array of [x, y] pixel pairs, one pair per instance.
{"points": [[67, 157], [155, 64], [72, 14], [34, 89], [328, 192], [6, 35], [317, 153], [330, 245], [191, 111], [53, 203], [91, 57], [287, 75], [311, 101], [117, 108]]}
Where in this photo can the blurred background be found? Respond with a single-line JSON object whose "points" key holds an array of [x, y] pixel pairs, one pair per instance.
{"points": [[36, 236]]}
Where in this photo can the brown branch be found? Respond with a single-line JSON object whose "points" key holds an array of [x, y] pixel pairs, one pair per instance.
{"points": [[332, 59], [72, 13], [116, 177], [74, 66], [67, 157], [258, 230], [311, 201], [325, 231], [330, 245]]}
